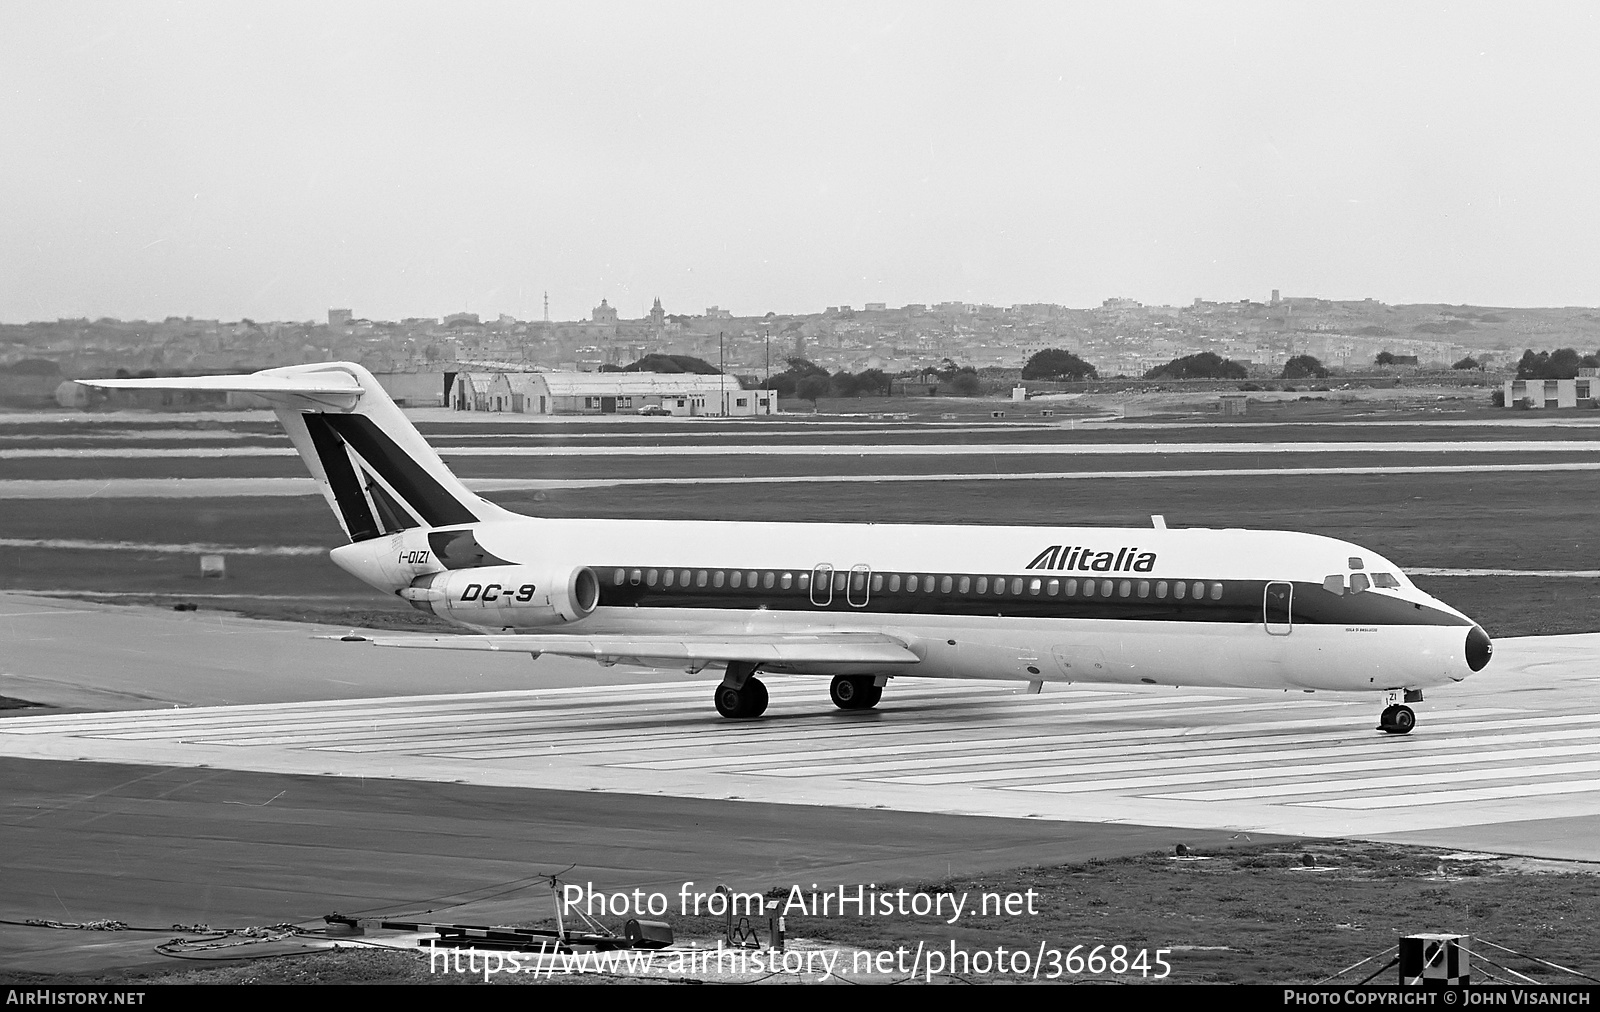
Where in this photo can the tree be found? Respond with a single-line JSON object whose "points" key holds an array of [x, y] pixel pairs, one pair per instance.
{"points": [[1053, 363], [672, 364], [1563, 363], [873, 381], [1385, 357], [965, 383], [1304, 367], [1468, 363], [809, 388], [843, 384], [1205, 365]]}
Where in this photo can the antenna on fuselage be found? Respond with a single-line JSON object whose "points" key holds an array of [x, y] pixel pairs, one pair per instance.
{"points": [[1158, 521]]}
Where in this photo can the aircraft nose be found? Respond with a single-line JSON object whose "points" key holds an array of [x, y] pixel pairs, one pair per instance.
{"points": [[1479, 648]]}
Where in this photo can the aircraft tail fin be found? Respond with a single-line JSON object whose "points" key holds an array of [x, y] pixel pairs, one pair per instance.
{"points": [[372, 465]]}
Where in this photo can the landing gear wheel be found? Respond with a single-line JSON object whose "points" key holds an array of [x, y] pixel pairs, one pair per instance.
{"points": [[1397, 720], [1403, 720], [755, 692], [855, 692], [748, 701]]}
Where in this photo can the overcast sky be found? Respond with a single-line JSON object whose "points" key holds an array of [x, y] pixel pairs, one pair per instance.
{"points": [[272, 160]]}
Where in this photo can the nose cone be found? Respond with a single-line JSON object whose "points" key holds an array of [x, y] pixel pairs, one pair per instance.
{"points": [[1479, 649]]}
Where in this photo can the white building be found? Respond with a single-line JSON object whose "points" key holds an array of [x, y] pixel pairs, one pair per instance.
{"points": [[608, 393], [1553, 393]]}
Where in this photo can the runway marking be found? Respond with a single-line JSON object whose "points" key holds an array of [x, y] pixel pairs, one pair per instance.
{"points": [[1218, 758], [1361, 784], [190, 548], [878, 449], [1188, 760], [212, 488], [1468, 796]]}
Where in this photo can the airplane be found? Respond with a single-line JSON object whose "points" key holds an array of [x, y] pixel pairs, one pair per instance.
{"points": [[860, 603]]}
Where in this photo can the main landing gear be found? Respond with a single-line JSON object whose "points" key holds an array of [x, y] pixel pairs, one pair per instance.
{"points": [[1397, 718], [741, 694], [855, 692]]}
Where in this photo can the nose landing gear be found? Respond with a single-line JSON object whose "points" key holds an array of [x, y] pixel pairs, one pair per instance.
{"points": [[1397, 718]]}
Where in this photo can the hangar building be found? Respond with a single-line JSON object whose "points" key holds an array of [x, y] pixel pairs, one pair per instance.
{"points": [[607, 393]]}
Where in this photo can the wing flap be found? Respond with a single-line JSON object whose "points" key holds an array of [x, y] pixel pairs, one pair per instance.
{"points": [[819, 648]]}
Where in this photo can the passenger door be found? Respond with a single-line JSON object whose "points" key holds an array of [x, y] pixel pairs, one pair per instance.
{"points": [[1277, 609]]}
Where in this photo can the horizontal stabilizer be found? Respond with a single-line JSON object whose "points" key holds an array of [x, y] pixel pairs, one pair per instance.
{"points": [[819, 648], [304, 384]]}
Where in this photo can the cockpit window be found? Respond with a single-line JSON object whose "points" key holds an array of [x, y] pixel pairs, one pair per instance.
{"points": [[1359, 582], [1333, 584], [1386, 581]]}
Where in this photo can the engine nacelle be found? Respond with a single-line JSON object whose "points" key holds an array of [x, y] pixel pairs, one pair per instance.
{"points": [[507, 596]]}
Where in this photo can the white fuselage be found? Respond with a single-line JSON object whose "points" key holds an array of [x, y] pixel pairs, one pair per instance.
{"points": [[1196, 607]]}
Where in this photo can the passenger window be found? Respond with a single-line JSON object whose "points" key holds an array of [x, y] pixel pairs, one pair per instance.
{"points": [[634, 577], [787, 581], [750, 579], [1358, 582], [668, 578], [1199, 591], [650, 578], [1386, 581], [1216, 592], [999, 585], [966, 585], [1016, 585], [877, 582], [1144, 588], [858, 581], [1124, 588], [1105, 588], [912, 584], [735, 578], [717, 577], [619, 577], [700, 578], [803, 581], [1072, 588], [983, 585], [1035, 585], [1161, 588], [683, 578], [1088, 588], [894, 583], [768, 579], [946, 584], [839, 580], [1053, 588], [1178, 590]]}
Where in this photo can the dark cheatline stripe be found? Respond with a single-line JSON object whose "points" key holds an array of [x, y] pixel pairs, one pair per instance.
{"points": [[395, 517], [1241, 601], [358, 519], [430, 500]]}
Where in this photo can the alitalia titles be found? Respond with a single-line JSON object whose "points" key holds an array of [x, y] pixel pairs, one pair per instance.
{"points": [[1083, 559]]}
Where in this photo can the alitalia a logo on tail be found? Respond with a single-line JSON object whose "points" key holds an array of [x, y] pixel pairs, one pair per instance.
{"points": [[1081, 558]]}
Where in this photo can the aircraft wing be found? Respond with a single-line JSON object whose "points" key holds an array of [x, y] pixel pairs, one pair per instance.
{"points": [[774, 648]]}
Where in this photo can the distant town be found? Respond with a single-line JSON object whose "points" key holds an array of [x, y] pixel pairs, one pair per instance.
{"points": [[1120, 337]]}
